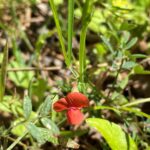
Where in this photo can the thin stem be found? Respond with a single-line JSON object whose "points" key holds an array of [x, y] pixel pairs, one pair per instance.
{"points": [[17, 141], [70, 27]]}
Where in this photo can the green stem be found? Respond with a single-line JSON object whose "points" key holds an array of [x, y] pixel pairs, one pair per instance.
{"points": [[86, 16], [70, 27]]}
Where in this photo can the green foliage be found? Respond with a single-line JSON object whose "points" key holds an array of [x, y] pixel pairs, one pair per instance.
{"points": [[27, 107], [46, 106], [19, 127], [129, 65], [38, 88], [107, 43], [50, 125], [3, 72], [104, 44], [20, 78], [130, 44], [113, 134], [41, 134]]}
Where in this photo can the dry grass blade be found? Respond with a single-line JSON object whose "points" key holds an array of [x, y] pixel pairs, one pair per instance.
{"points": [[3, 72]]}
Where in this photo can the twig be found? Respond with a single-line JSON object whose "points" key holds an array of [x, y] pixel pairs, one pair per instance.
{"points": [[33, 69]]}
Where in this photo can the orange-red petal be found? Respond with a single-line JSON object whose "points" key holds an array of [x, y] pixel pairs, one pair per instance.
{"points": [[74, 116], [76, 99], [60, 105]]}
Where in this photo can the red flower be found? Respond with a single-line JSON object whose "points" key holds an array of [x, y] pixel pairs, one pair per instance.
{"points": [[72, 103]]}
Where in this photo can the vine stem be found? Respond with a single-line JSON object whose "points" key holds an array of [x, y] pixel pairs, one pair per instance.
{"points": [[17, 141]]}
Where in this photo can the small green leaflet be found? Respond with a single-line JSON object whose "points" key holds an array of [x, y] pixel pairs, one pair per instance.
{"points": [[41, 135], [47, 135], [46, 106], [107, 43], [129, 65], [50, 125], [35, 132], [27, 107], [130, 43]]}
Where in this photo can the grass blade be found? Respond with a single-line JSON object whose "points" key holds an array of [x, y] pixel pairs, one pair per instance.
{"points": [[70, 28], [59, 31], [3, 72]]}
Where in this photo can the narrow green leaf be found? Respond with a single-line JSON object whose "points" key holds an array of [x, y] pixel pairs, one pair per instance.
{"points": [[107, 43], [126, 36], [50, 125], [113, 134], [27, 107], [46, 106], [56, 18], [139, 56], [130, 43], [70, 27], [3, 72]]}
